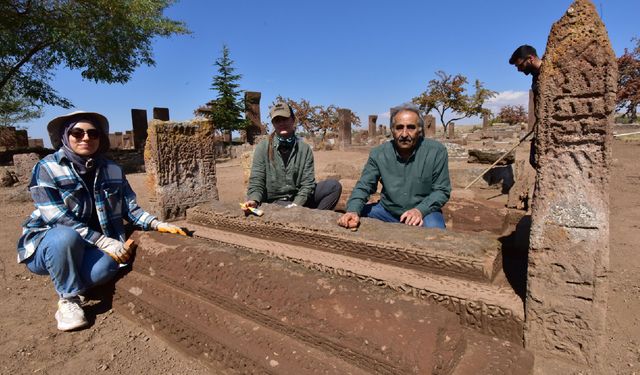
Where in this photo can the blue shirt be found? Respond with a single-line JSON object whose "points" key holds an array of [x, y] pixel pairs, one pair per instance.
{"points": [[62, 198]]}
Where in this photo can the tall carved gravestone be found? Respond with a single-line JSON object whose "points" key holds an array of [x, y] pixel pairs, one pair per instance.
{"points": [[7, 138], [372, 125], [113, 140], [429, 126], [118, 142], [451, 131], [569, 241], [127, 140], [181, 166], [531, 114], [140, 125], [161, 114], [22, 138], [252, 112], [486, 121], [344, 117]]}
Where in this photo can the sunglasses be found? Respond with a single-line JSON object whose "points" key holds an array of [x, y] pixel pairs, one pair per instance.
{"points": [[78, 133]]}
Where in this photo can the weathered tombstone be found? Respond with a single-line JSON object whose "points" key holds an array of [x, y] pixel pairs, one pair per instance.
{"points": [[531, 115], [569, 243], [344, 117], [226, 136], [451, 131], [117, 145], [36, 143], [485, 121], [429, 126], [140, 125], [382, 130], [490, 156], [181, 166], [22, 138], [161, 114], [23, 164], [127, 140], [7, 138], [372, 125], [252, 112], [392, 114], [113, 140]]}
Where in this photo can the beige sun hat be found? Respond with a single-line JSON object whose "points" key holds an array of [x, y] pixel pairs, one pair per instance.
{"points": [[55, 126], [281, 109]]}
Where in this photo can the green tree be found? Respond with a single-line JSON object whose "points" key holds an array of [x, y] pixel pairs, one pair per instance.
{"points": [[105, 39], [628, 97], [448, 93], [15, 109], [227, 109]]}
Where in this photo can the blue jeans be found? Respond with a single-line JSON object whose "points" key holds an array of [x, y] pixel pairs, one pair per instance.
{"points": [[73, 264], [376, 211]]}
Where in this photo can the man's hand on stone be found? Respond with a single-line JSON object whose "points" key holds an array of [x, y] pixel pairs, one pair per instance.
{"points": [[349, 220], [412, 217]]}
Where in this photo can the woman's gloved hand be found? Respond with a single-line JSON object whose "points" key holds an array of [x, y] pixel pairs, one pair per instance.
{"points": [[163, 227], [114, 248]]}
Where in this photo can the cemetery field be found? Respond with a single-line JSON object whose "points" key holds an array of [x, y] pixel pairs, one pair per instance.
{"points": [[30, 342]]}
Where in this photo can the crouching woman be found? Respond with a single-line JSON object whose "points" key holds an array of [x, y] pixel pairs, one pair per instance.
{"points": [[76, 232]]}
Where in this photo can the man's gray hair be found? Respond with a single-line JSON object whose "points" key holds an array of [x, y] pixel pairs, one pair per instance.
{"points": [[410, 108]]}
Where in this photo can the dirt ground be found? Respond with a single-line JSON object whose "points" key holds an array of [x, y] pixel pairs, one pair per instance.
{"points": [[30, 342]]}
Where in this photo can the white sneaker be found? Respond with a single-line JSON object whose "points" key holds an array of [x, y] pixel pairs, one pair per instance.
{"points": [[70, 315]]}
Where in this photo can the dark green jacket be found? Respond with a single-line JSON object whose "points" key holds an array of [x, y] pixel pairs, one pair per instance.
{"points": [[271, 181], [421, 182]]}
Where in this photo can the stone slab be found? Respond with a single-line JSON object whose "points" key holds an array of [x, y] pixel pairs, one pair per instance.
{"points": [[468, 256]]}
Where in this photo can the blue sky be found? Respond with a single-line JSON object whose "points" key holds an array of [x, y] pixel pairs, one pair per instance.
{"points": [[364, 55]]}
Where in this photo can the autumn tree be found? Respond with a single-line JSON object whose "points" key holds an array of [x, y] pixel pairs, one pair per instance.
{"points": [[226, 111], [105, 39], [317, 119], [512, 114], [448, 93], [628, 97], [304, 111]]}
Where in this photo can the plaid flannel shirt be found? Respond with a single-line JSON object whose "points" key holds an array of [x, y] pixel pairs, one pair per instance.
{"points": [[61, 198]]}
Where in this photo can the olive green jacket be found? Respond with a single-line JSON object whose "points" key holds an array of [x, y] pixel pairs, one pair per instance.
{"points": [[271, 181], [421, 182]]}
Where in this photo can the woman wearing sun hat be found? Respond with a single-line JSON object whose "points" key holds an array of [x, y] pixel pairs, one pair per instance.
{"points": [[76, 232]]}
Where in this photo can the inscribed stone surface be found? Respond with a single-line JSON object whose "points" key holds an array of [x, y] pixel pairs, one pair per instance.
{"points": [[569, 243]]}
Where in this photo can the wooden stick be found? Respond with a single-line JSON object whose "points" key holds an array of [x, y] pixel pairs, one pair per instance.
{"points": [[623, 134], [499, 160], [130, 244]]}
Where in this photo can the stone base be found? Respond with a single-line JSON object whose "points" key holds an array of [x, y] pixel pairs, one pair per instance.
{"points": [[455, 270], [256, 314]]}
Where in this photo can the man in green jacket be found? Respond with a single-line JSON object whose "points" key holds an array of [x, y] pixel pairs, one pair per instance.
{"points": [[414, 173], [282, 171]]}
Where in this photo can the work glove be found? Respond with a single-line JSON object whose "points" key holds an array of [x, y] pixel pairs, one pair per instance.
{"points": [[291, 205], [114, 248], [163, 227]]}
